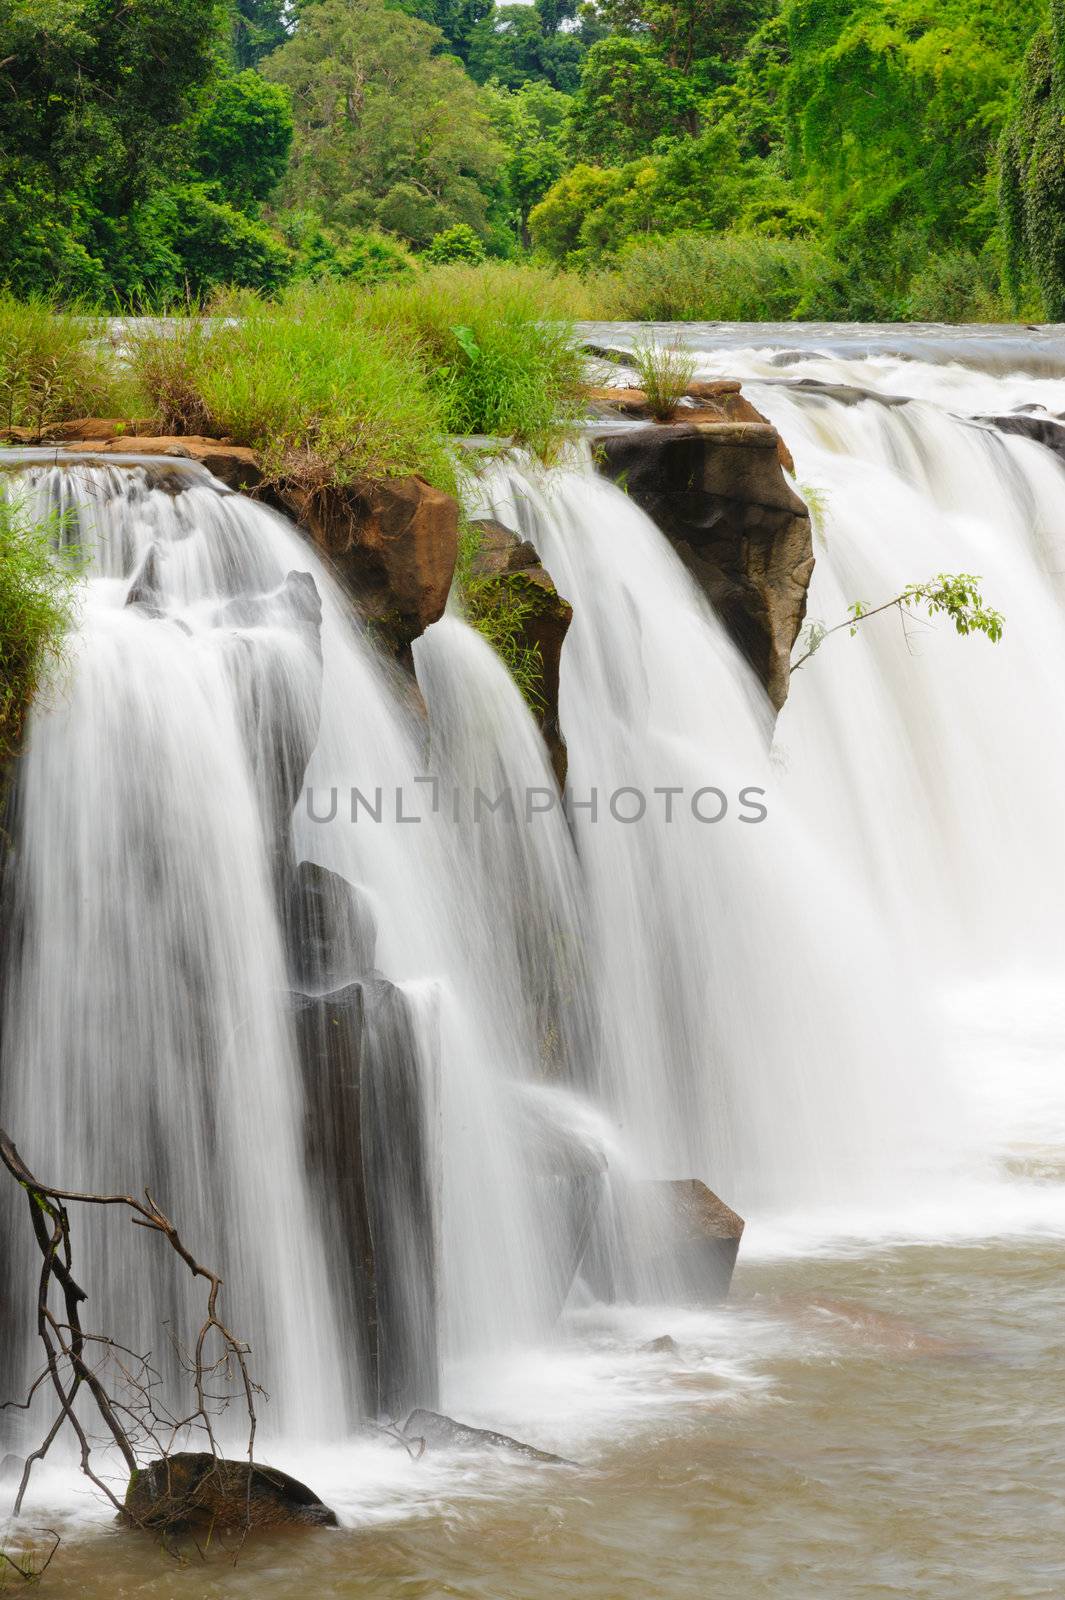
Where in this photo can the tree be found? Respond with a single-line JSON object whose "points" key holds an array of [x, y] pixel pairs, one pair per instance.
{"points": [[259, 26], [243, 137], [695, 37], [531, 124], [628, 98], [513, 46], [387, 132], [1032, 170], [955, 595]]}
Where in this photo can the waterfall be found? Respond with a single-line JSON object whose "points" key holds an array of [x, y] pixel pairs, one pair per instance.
{"points": [[396, 1037]]}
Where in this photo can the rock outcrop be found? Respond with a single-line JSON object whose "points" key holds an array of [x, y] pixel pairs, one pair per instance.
{"points": [[506, 561], [1044, 430], [232, 464], [717, 491], [685, 1243], [434, 1431], [705, 400], [194, 1491]]}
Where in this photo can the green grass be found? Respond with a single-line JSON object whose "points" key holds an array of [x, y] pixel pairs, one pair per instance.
{"points": [[700, 277], [52, 368], [38, 597], [665, 371], [495, 342], [323, 394]]}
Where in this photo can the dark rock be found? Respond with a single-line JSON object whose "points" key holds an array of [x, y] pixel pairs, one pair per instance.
{"points": [[444, 1433], [719, 495], [504, 558], [370, 1152], [145, 589], [1043, 430], [393, 542], [194, 1491], [664, 1345], [331, 930]]}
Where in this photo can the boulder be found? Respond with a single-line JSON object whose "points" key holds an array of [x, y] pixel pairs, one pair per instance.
{"points": [[503, 558], [1044, 430], [437, 1432], [717, 491], [235, 465], [664, 1345], [696, 1240], [706, 400], [394, 543], [196, 1491], [330, 930]]}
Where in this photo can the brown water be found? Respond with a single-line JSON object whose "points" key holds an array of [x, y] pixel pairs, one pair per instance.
{"points": [[892, 1425]]}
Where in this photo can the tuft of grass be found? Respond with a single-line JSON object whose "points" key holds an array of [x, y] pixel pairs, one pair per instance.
{"points": [[496, 344], [324, 395], [39, 575], [52, 367], [665, 372], [701, 277]]}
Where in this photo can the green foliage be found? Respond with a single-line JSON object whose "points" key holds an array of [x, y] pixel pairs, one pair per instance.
{"points": [[665, 372], [1032, 171], [722, 277], [50, 369], [696, 37], [39, 573], [531, 123], [259, 26], [954, 595], [499, 608], [388, 133], [325, 394], [956, 286], [458, 243], [364, 255], [493, 347], [243, 137], [512, 47], [628, 98]]}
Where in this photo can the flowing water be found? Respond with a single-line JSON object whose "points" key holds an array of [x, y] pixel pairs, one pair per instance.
{"points": [[846, 1016]]}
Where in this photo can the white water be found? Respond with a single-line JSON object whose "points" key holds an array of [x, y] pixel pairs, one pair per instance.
{"points": [[842, 1018]]}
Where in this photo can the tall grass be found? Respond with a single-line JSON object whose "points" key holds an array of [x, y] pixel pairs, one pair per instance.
{"points": [[39, 576], [496, 345], [319, 390], [52, 367], [665, 371], [701, 277]]}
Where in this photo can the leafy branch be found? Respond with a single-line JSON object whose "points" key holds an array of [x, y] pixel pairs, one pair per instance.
{"points": [[956, 595]]}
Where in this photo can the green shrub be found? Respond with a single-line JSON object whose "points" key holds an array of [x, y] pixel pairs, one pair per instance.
{"points": [[495, 344], [956, 286], [38, 588], [363, 254], [50, 367], [323, 394], [459, 243], [665, 372], [695, 277]]}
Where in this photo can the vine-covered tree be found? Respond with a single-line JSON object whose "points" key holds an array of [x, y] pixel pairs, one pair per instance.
{"points": [[1032, 170]]}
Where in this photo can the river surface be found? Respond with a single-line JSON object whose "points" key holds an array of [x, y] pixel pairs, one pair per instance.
{"points": [[879, 1411]]}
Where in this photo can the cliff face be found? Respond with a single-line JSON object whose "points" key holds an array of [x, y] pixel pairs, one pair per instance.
{"points": [[718, 492]]}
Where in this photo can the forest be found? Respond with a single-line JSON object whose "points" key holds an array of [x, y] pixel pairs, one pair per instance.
{"points": [[666, 158]]}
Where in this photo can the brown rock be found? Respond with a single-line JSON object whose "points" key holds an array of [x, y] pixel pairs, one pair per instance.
{"points": [[716, 400], [697, 1239], [394, 543], [196, 1491], [235, 465], [504, 558], [717, 491]]}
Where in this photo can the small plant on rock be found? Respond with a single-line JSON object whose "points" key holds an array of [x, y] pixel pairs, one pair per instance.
{"points": [[665, 372]]}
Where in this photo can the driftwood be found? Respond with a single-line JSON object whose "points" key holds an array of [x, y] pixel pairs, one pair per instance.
{"points": [[134, 1417]]}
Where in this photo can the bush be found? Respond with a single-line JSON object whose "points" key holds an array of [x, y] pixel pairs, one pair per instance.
{"points": [[459, 243], [325, 396], [38, 586], [50, 368], [956, 286], [364, 255], [495, 345], [695, 277], [665, 372]]}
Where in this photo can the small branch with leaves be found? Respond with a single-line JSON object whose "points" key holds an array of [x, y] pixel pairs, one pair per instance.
{"points": [[955, 595]]}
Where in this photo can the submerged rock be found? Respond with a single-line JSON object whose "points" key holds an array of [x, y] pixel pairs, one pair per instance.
{"points": [[505, 560], [331, 931], [195, 1490], [438, 1432], [664, 1345], [719, 495]]}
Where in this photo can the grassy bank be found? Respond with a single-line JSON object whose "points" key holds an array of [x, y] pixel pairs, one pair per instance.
{"points": [[38, 589]]}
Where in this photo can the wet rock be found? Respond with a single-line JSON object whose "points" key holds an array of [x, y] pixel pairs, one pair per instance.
{"points": [[394, 543], [719, 495], [664, 1345], [331, 930], [705, 400], [696, 1239], [11, 1469], [145, 589], [370, 1153], [438, 1432], [235, 465], [505, 560], [1043, 430], [194, 1491]]}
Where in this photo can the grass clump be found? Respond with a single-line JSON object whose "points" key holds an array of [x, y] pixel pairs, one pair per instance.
{"points": [[496, 345], [500, 608], [325, 396], [665, 371], [39, 575], [699, 277], [51, 367]]}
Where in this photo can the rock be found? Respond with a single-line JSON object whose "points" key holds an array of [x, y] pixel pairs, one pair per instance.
{"points": [[235, 465], [504, 558], [393, 542], [370, 1151], [194, 1491], [145, 589], [708, 400], [1043, 430], [11, 1469], [664, 1345], [444, 1433], [331, 931], [696, 1239], [84, 429], [719, 495]]}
